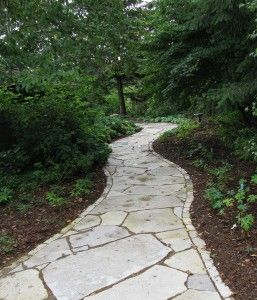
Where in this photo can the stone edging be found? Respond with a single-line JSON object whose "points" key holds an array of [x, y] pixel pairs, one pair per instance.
{"points": [[15, 265], [199, 244]]}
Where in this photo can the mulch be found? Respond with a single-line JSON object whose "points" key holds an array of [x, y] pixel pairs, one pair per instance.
{"points": [[43, 220], [233, 251]]}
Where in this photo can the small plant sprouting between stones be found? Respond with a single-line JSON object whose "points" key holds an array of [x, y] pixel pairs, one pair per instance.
{"points": [[240, 200], [6, 243]]}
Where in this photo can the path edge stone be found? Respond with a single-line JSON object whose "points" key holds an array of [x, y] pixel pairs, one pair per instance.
{"points": [[9, 269], [196, 240]]}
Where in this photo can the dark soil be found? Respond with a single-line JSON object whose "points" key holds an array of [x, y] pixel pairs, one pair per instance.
{"points": [[42, 220], [233, 251]]}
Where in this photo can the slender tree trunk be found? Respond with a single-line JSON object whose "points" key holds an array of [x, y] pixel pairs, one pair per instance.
{"points": [[121, 95]]}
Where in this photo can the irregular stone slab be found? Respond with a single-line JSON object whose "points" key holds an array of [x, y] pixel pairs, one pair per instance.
{"points": [[165, 171], [126, 171], [198, 295], [131, 203], [157, 283], [97, 236], [119, 187], [164, 190], [152, 180], [24, 285], [147, 163], [113, 217], [188, 261], [83, 248], [122, 183], [178, 211], [86, 272], [152, 221], [49, 253], [112, 161], [200, 282], [87, 222], [178, 240]]}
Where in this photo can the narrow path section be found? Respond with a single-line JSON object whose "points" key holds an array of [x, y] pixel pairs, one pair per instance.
{"points": [[134, 243]]}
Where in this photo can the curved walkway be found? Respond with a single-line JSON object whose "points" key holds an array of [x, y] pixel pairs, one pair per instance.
{"points": [[136, 242]]}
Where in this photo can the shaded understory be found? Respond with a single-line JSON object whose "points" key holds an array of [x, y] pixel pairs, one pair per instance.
{"points": [[233, 251], [42, 220]]}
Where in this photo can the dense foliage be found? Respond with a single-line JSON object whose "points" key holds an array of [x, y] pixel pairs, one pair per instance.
{"points": [[202, 56], [67, 66], [62, 68]]}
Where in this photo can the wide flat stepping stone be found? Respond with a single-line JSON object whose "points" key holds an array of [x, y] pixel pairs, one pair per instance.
{"points": [[198, 295], [97, 236], [49, 253], [187, 261], [152, 221], [113, 217], [25, 285], [178, 240], [130, 203], [165, 171], [87, 222], [86, 272], [164, 190], [157, 283], [201, 282]]}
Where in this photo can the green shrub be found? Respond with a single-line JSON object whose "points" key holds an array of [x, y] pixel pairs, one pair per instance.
{"points": [[6, 243], [221, 174], [23, 208], [116, 126], [246, 144], [51, 136], [241, 201], [176, 119], [81, 187], [186, 128], [246, 222], [200, 151], [111, 105], [54, 199], [167, 134], [228, 125], [213, 194], [58, 133], [6, 195], [254, 179]]}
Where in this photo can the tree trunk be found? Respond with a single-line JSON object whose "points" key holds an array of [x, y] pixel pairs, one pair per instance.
{"points": [[121, 95]]}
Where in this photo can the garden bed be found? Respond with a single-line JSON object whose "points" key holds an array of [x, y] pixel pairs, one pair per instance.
{"points": [[233, 250], [24, 230]]}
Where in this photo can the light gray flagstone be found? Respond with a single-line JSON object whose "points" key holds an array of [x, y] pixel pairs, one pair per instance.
{"points": [[24, 285], [152, 221], [86, 272], [51, 252], [198, 295], [97, 236], [188, 261], [157, 283]]}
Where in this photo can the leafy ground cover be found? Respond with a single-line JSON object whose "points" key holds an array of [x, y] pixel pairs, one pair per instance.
{"points": [[224, 210], [50, 172]]}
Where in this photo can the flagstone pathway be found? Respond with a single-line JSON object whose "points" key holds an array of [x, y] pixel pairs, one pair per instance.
{"points": [[136, 242]]}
